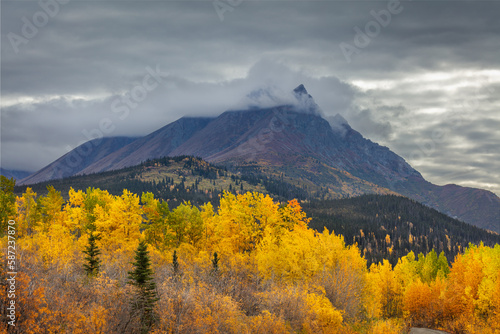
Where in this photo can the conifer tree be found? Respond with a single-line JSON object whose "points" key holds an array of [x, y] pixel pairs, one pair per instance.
{"points": [[175, 263], [146, 296], [215, 263], [92, 256]]}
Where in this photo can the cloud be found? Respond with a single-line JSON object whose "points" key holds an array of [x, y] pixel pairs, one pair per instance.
{"points": [[62, 123], [433, 70]]}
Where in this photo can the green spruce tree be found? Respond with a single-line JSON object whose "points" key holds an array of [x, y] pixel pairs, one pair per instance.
{"points": [[215, 263], [175, 264], [146, 296], [92, 253]]}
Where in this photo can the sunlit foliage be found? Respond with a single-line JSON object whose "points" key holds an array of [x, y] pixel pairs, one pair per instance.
{"points": [[251, 265]]}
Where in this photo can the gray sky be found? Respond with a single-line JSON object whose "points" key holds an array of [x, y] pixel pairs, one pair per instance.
{"points": [[420, 77]]}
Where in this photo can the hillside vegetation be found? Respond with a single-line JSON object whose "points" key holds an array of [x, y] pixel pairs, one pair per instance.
{"points": [[103, 263], [174, 179], [382, 226], [388, 227]]}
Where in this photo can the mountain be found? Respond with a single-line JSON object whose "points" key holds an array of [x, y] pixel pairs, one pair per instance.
{"points": [[294, 143], [280, 135], [15, 174], [155, 145], [76, 160]]}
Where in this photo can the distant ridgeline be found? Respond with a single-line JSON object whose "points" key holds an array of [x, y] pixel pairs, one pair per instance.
{"points": [[383, 226]]}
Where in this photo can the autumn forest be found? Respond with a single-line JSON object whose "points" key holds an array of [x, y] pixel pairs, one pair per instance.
{"points": [[102, 263]]}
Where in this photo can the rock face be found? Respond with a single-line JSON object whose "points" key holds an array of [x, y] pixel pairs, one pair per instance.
{"points": [[293, 138]]}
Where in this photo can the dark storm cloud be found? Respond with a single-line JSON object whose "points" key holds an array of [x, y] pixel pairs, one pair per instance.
{"points": [[426, 85]]}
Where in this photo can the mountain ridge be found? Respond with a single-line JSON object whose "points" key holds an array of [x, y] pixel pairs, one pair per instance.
{"points": [[294, 140], [78, 159], [14, 173], [155, 145]]}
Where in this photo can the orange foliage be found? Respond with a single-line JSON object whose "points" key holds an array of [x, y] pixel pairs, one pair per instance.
{"points": [[424, 303], [32, 313]]}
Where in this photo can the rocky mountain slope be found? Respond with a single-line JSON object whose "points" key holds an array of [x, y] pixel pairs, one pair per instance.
{"points": [[78, 159], [15, 174]]}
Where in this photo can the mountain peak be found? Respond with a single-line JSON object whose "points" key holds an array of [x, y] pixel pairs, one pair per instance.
{"points": [[273, 96], [305, 102], [265, 97], [301, 90]]}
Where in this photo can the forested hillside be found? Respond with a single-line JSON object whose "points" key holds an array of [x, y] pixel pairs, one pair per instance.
{"points": [[175, 179], [388, 227], [103, 263]]}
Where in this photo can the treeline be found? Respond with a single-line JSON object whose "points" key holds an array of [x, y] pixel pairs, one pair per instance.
{"points": [[130, 178], [196, 165], [388, 227], [103, 263], [276, 186]]}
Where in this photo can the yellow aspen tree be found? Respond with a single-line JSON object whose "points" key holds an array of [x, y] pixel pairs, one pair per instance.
{"points": [[465, 277], [75, 211], [51, 209], [26, 213], [326, 318], [156, 224], [495, 317], [342, 274], [489, 258], [210, 239], [292, 257], [185, 225], [242, 219], [56, 246], [384, 278]]}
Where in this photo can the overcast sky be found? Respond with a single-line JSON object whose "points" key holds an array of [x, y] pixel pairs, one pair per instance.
{"points": [[422, 78]]}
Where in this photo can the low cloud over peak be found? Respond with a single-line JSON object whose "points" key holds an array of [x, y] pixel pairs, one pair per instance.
{"points": [[272, 96]]}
